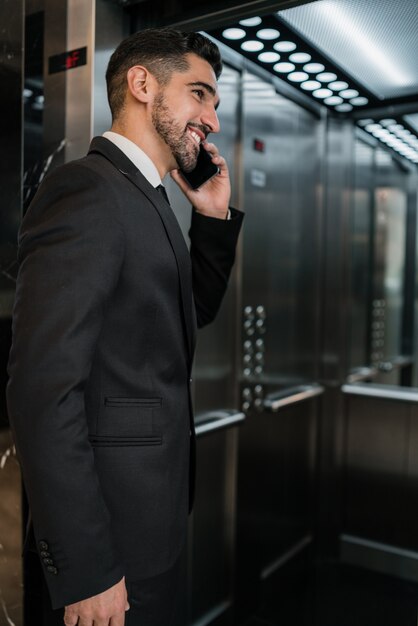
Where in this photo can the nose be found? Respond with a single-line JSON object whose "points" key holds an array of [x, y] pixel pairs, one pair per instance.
{"points": [[210, 119]]}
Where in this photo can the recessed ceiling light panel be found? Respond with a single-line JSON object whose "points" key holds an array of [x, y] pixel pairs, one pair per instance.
{"points": [[268, 34], [284, 67], [313, 68], [300, 57], [269, 57], [251, 21], [252, 46], [297, 77], [310, 85], [234, 33], [326, 77], [284, 46]]}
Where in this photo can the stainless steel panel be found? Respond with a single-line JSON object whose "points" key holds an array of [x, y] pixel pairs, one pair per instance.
{"points": [[280, 247], [361, 255], [111, 26], [68, 95], [381, 501], [275, 496], [212, 528], [280, 331], [376, 469]]}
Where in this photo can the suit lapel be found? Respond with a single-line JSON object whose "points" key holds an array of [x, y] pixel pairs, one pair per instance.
{"points": [[181, 254]]}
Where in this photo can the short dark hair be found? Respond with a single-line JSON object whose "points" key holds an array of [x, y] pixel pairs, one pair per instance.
{"points": [[162, 51]]}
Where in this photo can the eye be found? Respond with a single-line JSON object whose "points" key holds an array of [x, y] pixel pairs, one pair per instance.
{"points": [[200, 93]]}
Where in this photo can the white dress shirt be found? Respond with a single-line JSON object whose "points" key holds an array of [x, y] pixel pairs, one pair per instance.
{"points": [[136, 155]]}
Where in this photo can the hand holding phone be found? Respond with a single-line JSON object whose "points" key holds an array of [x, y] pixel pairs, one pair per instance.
{"points": [[208, 198], [203, 171]]}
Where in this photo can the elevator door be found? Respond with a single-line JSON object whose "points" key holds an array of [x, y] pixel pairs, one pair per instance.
{"points": [[279, 325]]}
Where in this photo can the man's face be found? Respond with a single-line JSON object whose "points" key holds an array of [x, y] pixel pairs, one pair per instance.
{"points": [[184, 111]]}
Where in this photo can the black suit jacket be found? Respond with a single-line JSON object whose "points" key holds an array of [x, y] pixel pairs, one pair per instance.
{"points": [[103, 340]]}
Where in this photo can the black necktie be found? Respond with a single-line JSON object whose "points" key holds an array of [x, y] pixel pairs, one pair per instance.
{"points": [[162, 191]]}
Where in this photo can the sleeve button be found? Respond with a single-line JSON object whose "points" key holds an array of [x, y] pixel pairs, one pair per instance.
{"points": [[48, 561], [52, 570], [44, 553], [43, 545]]}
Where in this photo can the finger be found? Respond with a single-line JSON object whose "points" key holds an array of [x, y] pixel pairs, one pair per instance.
{"points": [[211, 148], [118, 620], [70, 618], [87, 621]]}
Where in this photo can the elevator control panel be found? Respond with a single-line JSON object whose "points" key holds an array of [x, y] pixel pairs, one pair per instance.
{"points": [[253, 352]]}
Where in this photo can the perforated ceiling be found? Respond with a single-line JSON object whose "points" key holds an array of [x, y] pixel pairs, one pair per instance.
{"points": [[374, 41]]}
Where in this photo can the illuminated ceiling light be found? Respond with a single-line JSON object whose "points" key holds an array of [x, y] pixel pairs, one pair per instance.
{"points": [[337, 85], [387, 122], [284, 68], [234, 33], [394, 127], [252, 46], [344, 108], [333, 100], [269, 57], [322, 93], [297, 77], [268, 34], [300, 57], [40, 99], [380, 132], [359, 101], [313, 68], [361, 122], [310, 85], [326, 77], [371, 127], [251, 21], [284, 46], [27, 93], [404, 133], [349, 93]]}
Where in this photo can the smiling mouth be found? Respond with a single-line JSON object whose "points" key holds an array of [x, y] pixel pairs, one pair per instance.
{"points": [[197, 137]]}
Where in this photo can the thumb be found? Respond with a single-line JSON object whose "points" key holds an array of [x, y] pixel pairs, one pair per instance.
{"points": [[127, 607]]}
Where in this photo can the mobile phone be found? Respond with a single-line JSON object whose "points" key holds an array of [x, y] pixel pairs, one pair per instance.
{"points": [[203, 171]]}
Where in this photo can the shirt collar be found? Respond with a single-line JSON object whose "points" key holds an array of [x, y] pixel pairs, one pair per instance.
{"points": [[136, 155]]}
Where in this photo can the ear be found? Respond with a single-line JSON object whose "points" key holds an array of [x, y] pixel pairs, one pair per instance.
{"points": [[141, 83]]}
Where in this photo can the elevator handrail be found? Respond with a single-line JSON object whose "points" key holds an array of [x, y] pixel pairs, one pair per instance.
{"points": [[386, 392], [362, 373], [292, 395], [217, 420]]}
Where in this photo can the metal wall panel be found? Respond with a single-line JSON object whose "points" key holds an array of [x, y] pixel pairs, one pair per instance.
{"points": [[280, 332], [361, 254]]}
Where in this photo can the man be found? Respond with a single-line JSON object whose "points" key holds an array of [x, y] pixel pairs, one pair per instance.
{"points": [[104, 325]]}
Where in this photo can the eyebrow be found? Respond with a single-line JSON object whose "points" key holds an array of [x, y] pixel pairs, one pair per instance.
{"points": [[208, 88]]}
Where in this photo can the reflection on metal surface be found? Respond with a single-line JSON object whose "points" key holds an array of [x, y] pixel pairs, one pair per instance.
{"points": [[217, 420], [379, 557], [285, 397], [360, 374], [390, 392], [301, 545]]}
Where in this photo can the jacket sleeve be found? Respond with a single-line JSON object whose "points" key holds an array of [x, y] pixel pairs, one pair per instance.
{"points": [[70, 255], [212, 250]]}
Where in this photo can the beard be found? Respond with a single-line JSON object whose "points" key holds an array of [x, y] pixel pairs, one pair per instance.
{"points": [[182, 146]]}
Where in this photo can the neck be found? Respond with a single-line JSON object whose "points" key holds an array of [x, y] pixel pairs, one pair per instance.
{"points": [[150, 142]]}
